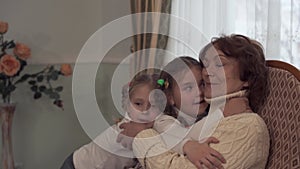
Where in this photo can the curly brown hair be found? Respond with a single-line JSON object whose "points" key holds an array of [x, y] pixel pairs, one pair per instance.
{"points": [[252, 64]]}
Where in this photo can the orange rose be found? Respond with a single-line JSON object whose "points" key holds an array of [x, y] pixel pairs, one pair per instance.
{"points": [[66, 69], [3, 27], [22, 51], [9, 65]]}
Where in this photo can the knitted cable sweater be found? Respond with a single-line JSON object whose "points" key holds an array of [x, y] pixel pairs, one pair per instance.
{"points": [[244, 142]]}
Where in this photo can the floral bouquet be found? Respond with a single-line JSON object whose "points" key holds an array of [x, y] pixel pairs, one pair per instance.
{"points": [[13, 56]]}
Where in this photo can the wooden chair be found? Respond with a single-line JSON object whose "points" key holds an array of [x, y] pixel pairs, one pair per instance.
{"points": [[282, 115]]}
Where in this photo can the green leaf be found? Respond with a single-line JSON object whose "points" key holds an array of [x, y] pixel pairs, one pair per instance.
{"points": [[2, 76], [32, 82], [5, 92], [11, 88], [54, 95], [42, 88], [23, 63], [33, 75], [48, 91], [23, 78], [37, 95], [54, 75], [40, 78], [59, 89], [48, 77], [51, 68], [2, 86], [34, 88], [11, 44]]}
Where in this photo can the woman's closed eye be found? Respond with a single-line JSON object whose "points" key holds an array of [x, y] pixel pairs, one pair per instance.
{"points": [[219, 64], [188, 88], [206, 65]]}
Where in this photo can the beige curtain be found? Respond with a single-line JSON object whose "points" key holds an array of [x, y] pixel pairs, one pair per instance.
{"points": [[150, 27]]}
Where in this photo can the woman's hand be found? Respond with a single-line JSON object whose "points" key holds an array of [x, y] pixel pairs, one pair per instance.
{"points": [[201, 154], [130, 130]]}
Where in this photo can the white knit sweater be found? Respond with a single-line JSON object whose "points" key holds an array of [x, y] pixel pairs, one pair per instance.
{"points": [[244, 142]]}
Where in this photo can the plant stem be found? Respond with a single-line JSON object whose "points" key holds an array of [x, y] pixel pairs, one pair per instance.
{"points": [[49, 83], [40, 72], [1, 40], [9, 83], [5, 96], [2, 44]]}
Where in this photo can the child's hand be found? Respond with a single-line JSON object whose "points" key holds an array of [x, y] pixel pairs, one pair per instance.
{"points": [[201, 154], [130, 130]]}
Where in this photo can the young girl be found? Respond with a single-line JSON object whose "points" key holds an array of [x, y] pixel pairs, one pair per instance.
{"points": [[183, 88], [143, 104], [234, 63], [183, 85]]}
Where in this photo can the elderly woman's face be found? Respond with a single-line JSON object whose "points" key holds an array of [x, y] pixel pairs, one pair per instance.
{"points": [[221, 74]]}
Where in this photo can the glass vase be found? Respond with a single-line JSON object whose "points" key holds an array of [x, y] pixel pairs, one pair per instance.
{"points": [[6, 118]]}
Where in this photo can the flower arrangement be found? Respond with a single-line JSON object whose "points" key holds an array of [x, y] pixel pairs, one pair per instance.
{"points": [[13, 56]]}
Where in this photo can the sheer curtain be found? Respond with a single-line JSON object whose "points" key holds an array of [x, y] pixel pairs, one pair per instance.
{"points": [[274, 23]]}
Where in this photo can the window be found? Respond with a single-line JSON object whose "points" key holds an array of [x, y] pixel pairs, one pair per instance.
{"points": [[274, 23]]}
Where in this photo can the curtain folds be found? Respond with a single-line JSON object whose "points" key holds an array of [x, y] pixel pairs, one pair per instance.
{"points": [[274, 23], [150, 27]]}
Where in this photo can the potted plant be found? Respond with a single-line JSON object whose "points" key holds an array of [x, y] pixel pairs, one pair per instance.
{"points": [[13, 60]]}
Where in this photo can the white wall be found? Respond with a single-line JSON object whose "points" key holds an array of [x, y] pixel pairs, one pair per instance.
{"points": [[56, 30]]}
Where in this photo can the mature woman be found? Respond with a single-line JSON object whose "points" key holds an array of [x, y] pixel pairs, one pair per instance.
{"points": [[235, 82]]}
